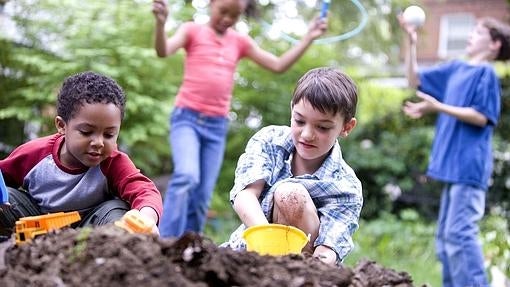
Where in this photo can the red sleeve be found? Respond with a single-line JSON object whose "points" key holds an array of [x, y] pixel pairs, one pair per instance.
{"points": [[130, 184], [22, 159]]}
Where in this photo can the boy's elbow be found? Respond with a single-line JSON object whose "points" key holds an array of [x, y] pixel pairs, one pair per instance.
{"points": [[480, 120]]}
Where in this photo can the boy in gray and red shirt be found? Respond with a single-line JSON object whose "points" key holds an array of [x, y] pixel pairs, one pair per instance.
{"points": [[79, 168]]}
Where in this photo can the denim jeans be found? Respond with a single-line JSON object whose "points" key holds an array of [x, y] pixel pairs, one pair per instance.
{"points": [[457, 244], [198, 143]]}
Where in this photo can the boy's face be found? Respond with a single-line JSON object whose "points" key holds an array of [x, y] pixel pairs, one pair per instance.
{"points": [[314, 133], [480, 42], [90, 136], [225, 13]]}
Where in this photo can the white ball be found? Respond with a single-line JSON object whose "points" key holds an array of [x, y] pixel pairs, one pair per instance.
{"points": [[414, 15]]}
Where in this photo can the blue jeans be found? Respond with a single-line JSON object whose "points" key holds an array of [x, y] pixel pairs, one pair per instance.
{"points": [[198, 145], [457, 245]]}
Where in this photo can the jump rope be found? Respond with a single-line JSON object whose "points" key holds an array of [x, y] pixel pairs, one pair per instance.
{"points": [[337, 38]]}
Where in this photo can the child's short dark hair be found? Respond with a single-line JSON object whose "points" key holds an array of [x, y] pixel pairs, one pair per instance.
{"points": [[329, 91], [88, 87], [499, 31]]}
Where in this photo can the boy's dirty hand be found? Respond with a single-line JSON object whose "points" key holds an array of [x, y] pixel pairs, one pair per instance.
{"points": [[325, 254], [160, 10]]}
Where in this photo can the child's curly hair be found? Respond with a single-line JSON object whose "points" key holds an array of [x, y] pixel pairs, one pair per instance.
{"points": [[88, 87]]}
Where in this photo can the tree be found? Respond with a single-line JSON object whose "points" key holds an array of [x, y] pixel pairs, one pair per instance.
{"points": [[116, 38]]}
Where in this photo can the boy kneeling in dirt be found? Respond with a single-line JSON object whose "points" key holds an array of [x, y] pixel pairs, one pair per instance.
{"points": [[296, 175], [79, 168]]}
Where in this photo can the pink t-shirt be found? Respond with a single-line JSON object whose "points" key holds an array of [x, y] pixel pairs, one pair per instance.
{"points": [[209, 68]]}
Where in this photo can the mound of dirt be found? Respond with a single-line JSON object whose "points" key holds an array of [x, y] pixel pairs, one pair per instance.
{"points": [[109, 256]]}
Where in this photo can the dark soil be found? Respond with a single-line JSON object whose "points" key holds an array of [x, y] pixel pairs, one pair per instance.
{"points": [[109, 256]]}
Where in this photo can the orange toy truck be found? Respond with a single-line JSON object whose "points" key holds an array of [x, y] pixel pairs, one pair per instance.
{"points": [[27, 228]]}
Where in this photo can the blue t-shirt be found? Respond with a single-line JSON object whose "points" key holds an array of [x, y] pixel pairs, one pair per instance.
{"points": [[462, 152]]}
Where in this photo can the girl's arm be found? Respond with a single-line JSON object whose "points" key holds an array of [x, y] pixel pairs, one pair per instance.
{"points": [[281, 64], [165, 47], [247, 206]]}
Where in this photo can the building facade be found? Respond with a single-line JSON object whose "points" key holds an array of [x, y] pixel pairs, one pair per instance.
{"points": [[449, 22]]}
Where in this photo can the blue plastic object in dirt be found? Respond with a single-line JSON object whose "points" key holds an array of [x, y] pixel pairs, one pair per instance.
{"points": [[4, 193]]}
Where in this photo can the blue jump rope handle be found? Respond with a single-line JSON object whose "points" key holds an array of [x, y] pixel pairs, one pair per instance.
{"points": [[5, 194], [325, 8]]}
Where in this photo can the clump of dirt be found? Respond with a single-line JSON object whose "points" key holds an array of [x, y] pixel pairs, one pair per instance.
{"points": [[109, 256]]}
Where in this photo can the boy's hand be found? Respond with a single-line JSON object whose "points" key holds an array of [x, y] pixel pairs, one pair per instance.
{"points": [[139, 221], [160, 11], [152, 215], [325, 254], [317, 27], [417, 110]]}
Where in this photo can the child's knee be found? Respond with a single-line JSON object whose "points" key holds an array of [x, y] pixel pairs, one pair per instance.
{"points": [[291, 196]]}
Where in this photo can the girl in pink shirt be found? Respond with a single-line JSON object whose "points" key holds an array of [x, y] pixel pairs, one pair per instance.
{"points": [[199, 122]]}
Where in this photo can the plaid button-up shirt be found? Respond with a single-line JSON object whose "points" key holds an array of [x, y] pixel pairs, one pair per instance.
{"points": [[334, 187]]}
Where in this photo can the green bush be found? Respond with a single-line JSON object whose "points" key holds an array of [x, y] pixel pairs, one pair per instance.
{"points": [[496, 241]]}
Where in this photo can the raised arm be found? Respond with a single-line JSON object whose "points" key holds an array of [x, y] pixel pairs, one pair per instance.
{"points": [[411, 64], [281, 64], [165, 47]]}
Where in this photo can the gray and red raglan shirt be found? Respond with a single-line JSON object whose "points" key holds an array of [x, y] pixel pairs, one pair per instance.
{"points": [[35, 166]]}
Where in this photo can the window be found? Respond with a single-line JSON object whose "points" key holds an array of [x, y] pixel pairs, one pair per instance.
{"points": [[454, 33]]}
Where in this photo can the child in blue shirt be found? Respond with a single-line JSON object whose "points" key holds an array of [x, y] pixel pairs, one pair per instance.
{"points": [[466, 97], [296, 175]]}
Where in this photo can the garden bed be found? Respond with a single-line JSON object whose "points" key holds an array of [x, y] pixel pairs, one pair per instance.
{"points": [[109, 256]]}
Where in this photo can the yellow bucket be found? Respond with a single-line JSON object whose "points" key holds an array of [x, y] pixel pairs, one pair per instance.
{"points": [[275, 239]]}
